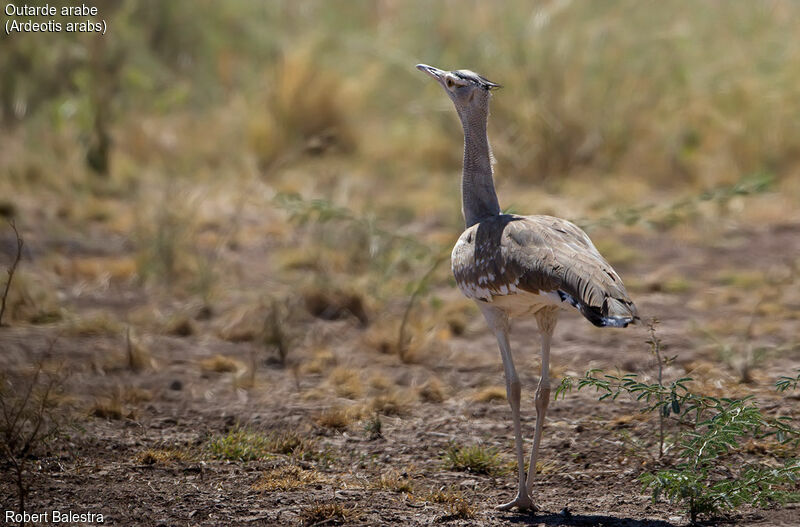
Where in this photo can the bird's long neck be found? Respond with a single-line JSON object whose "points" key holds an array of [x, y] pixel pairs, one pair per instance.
{"points": [[479, 199]]}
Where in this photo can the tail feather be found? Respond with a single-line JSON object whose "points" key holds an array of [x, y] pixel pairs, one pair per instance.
{"points": [[614, 312]]}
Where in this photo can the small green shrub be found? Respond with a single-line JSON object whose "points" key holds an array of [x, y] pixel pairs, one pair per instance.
{"points": [[706, 483], [703, 478]]}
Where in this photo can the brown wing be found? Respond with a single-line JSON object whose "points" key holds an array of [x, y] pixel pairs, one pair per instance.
{"points": [[541, 254]]}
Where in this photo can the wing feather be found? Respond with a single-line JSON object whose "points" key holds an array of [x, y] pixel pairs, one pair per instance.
{"points": [[541, 254], [548, 250]]}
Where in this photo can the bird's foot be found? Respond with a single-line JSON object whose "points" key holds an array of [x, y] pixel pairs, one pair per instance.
{"points": [[522, 502]]}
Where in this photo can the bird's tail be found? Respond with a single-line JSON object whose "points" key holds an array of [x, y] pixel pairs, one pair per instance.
{"points": [[618, 313], [615, 312]]}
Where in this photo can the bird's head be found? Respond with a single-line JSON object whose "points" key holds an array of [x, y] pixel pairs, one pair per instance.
{"points": [[468, 90]]}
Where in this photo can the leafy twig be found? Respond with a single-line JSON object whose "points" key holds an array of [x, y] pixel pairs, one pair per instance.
{"points": [[785, 383], [655, 348]]}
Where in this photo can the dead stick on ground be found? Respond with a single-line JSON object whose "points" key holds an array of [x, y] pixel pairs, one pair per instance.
{"points": [[11, 269]]}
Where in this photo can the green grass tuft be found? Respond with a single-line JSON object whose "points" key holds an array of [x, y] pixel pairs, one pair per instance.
{"points": [[243, 444], [474, 458], [240, 444]]}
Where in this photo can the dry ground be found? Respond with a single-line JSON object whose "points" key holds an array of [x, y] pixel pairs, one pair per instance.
{"points": [[143, 455]]}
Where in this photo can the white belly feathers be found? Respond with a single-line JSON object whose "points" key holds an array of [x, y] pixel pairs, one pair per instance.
{"points": [[514, 301], [525, 303]]}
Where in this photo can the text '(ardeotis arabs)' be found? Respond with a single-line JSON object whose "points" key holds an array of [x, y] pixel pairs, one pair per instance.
{"points": [[514, 266]]}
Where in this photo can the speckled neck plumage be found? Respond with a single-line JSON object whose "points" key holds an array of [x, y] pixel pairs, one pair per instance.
{"points": [[479, 199]]}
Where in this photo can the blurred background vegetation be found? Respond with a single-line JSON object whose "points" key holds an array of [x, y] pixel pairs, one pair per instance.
{"points": [[213, 151]]}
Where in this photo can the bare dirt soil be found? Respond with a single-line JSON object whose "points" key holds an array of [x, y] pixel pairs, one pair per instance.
{"points": [[592, 451]]}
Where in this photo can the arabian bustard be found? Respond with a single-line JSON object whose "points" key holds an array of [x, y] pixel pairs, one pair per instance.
{"points": [[521, 265]]}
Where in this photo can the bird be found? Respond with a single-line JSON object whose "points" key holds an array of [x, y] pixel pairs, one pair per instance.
{"points": [[516, 266]]}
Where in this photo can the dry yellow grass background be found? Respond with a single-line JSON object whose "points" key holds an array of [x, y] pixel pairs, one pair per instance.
{"points": [[175, 132]]}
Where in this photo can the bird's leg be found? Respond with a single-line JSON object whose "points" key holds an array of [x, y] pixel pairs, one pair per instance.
{"points": [[546, 325], [513, 392], [499, 324]]}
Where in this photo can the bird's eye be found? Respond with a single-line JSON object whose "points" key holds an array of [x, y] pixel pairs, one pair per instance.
{"points": [[449, 82]]}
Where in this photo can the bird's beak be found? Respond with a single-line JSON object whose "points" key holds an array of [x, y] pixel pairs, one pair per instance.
{"points": [[436, 73]]}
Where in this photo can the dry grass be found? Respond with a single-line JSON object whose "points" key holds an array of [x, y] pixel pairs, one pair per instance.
{"points": [[335, 304], [119, 402], [164, 456], [443, 495], [138, 356], [242, 324], [398, 402], [135, 356], [770, 447], [328, 514], [380, 383], [432, 391], [108, 408], [346, 383], [180, 325], [167, 241], [423, 341], [221, 364], [31, 298], [134, 395], [460, 510], [299, 259], [304, 111], [457, 506], [677, 285], [543, 467], [97, 268], [288, 477], [623, 421], [321, 361], [490, 394], [395, 481], [382, 336], [94, 325], [339, 417]]}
